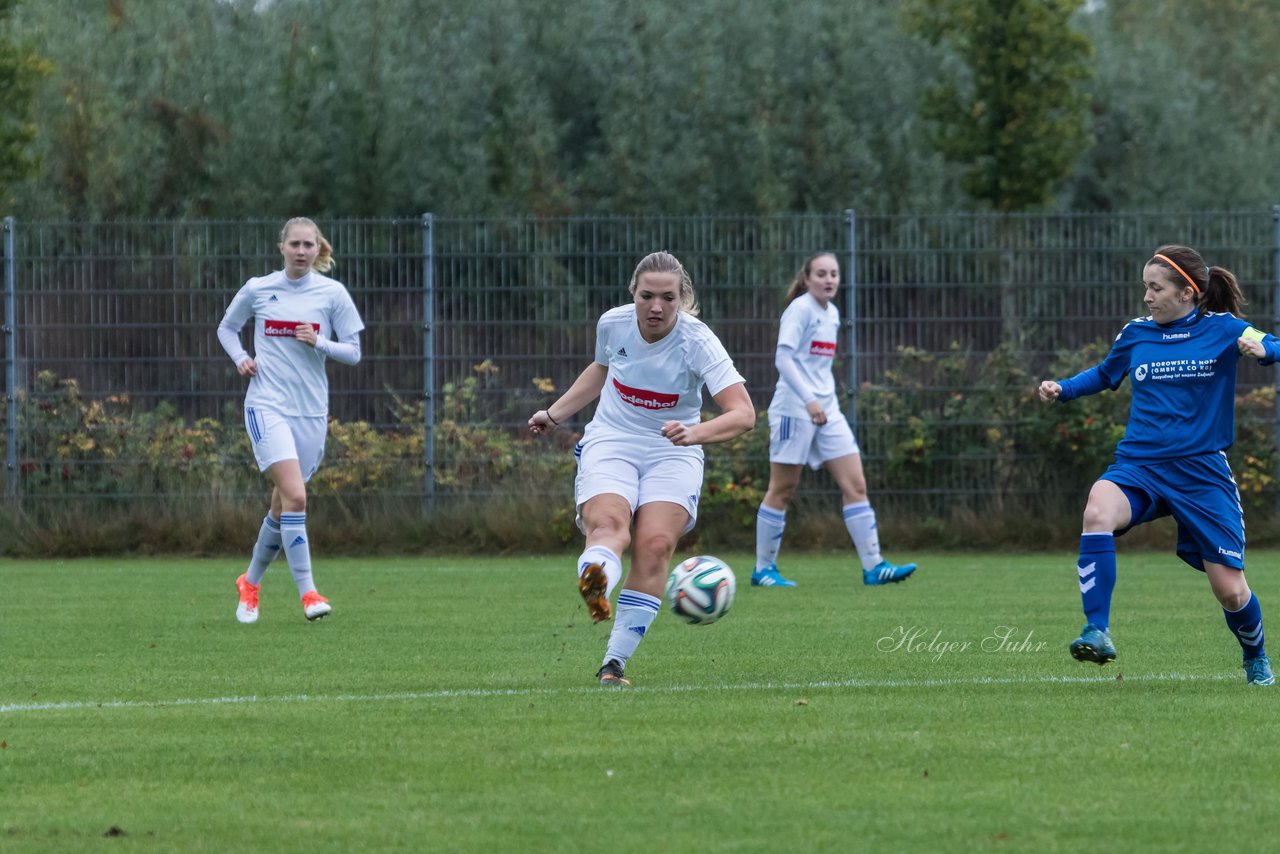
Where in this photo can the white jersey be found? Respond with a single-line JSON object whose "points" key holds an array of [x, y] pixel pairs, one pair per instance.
{"points": [[291, 378], [650, 384], [811, 331]]}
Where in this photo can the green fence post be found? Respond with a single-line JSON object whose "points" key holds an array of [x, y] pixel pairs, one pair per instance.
{"points": [[10, 363], [1275, 329], [850, 305], [428, 364]]}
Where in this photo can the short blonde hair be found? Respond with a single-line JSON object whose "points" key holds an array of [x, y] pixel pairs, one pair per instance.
{"points": [[665, 262]]}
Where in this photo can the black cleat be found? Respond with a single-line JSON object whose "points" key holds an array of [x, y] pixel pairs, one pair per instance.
{"points": [[610, 675]]}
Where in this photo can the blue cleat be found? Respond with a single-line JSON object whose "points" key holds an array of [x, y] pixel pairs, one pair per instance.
{"points": [[886, 573], [770, 577], [1258, 670], [1094, 644]]}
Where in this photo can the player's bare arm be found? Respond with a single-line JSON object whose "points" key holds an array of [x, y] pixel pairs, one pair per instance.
{"points": [[737, 416], [585, 389]]}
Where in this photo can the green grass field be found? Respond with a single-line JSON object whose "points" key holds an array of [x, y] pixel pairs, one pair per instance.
{"points": [[449, 704]]}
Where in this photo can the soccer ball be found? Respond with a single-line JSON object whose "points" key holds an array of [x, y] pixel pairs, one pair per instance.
{"points": [[701, 590]]}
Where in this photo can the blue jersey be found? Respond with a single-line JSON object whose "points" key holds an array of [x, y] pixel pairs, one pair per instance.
{"points": [[1183, 381]]}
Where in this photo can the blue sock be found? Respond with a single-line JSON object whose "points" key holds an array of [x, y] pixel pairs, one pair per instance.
{"points": [[1097, 570], [1247, 626]]}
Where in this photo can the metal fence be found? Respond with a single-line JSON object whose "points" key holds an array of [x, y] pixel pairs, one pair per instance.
{"points": [[476, 319]]}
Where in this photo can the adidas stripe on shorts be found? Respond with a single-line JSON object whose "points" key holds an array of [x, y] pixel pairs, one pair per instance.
{"points": [[796, 440], [278, 437]]}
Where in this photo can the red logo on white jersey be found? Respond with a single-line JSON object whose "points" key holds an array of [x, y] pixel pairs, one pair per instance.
{"points": [[646, 399], [284, 328], [823, 348]]}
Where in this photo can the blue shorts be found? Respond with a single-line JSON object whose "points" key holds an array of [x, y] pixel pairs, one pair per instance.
{"points": [[1201, 496]]}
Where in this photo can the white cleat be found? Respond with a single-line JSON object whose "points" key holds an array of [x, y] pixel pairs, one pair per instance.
{"points": [[315, 606], [247, 610]]}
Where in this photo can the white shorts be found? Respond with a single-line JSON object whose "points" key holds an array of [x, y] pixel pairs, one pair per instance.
{"points": [[639, 472], [278, 437], [796, 440]]}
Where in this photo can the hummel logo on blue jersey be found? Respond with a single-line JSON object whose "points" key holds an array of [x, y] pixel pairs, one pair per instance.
{"points": [[298, 541], [637, 629], [622, 351], [274, 298]]}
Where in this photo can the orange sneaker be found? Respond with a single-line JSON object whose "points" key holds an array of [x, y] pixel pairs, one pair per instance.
{"points": [[593, 585], [315, 606], [247, 610]]}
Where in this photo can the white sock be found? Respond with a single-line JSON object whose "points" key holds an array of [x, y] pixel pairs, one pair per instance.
{"points": [[860, 520], [602, 555], [265, 550], [770, 524], [635, 614], [297, 550]]}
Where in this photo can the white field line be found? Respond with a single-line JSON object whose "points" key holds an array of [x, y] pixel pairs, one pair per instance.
{"points": [[482, 693]]}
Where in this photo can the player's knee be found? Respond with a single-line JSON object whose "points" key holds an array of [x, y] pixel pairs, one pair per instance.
{"points": [[1234, 597], [655, 548], [854, 495], [608, 528], [779, 496], [293, 500], [1100, 519]]}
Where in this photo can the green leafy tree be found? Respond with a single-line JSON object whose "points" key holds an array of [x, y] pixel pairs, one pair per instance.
{"points": [[20, 69], [194, 108], [1183, 113], [1013, 111]]}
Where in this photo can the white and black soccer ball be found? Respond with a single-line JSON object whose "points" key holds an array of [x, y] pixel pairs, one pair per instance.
{"points": [[701, 589]]}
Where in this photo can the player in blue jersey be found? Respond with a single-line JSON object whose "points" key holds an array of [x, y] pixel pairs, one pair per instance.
{"points": [[296, 314], [806, 426], [1181, 363]]}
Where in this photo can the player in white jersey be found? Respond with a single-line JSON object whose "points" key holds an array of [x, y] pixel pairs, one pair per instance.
{"points": [[807, 426], [296, 314], [640, 460]]}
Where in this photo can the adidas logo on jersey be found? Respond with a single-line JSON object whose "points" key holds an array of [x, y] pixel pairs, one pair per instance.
{"points": [[622, 351], [274, 298]]}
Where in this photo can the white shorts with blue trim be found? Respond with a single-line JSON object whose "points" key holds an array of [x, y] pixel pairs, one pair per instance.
{"points": [[639, 472], [796, 440], [278, 437]]}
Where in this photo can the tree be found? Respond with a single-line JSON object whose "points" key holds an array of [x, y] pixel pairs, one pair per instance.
{"points": [[20, 68], [1014, 113], [1183, 116]]}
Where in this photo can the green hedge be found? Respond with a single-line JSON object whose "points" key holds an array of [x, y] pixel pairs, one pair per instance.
{"points": [[958, 448]]}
